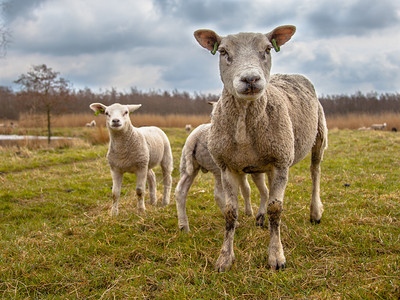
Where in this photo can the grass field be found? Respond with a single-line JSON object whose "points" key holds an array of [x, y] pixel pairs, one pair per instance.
{"points": [[58, 241]]}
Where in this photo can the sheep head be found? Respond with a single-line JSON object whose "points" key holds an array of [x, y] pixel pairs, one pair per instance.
{"points": [[245, 58], [117, 115]]}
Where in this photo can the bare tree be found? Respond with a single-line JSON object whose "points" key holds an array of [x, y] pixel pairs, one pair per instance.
{"points": [[47, 86]]}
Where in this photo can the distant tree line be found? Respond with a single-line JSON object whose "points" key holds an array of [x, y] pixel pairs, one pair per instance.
{"points": [[12, 104], [370, 103], [175, 102]]}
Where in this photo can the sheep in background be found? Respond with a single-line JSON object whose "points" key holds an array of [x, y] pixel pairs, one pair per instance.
{"points": [[363, 128], [188, 128], [91, 124], [262, 124], [135, 150], [196, 157], [378, 126]]}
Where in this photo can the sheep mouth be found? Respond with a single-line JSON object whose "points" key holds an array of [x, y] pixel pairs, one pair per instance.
{"points": [[251, 90]]}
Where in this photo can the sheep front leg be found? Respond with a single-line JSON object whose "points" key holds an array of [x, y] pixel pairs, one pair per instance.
{"points": [[151, 183], [276, 257], [181, 192], [116, 190], [141, 189], [230, 183]]}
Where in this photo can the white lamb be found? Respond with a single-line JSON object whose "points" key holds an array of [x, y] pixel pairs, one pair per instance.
{"points": [[378, 126], [135, 150], [262, 124], [91, 124], [188, 128], [196, 157]]}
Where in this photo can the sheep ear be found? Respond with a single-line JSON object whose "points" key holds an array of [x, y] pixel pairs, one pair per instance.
{"points": [[207, 38], [98, 108], [133, 107], [281, 34]]}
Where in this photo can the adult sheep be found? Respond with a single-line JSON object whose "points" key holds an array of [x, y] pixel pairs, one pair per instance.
{"points": [[135, 150], [262, 124]]}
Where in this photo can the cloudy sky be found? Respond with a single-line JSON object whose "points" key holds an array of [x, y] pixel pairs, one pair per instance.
{"points": [[343, 46]]}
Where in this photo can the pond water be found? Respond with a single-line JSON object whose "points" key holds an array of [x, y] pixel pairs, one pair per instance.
{"points": [[14, 137]]}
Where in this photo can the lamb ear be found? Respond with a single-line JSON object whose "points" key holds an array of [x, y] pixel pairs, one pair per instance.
{"points": [[207, 38], [133, 107], [98, 108], [281, 34]]}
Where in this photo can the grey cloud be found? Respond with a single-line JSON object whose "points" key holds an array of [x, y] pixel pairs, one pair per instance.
{"points": [[228, 16], [68, 33], [330, 18], [20, 8], [380, 73], [200, 74]]}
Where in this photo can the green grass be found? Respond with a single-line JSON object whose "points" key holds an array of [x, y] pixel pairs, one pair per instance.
{"points": [[57, 239]]}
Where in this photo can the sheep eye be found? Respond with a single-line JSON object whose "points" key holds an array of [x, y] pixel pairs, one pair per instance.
{"points": [[222, 51], [268, 50], [107, 114], [125, 113]]}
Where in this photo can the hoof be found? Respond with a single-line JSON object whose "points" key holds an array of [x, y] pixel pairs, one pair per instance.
{"points": [[184, 229], [164, 202], [153, 201], [260, 219], [249, 212], [279, 267], [224, 262], [315, 222]]}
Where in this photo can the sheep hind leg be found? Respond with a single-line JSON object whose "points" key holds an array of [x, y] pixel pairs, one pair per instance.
{"points": [[316, 207], [181, 192], [167, 182], [246, 191], [151, 183], [259, 181], [219, 195]]}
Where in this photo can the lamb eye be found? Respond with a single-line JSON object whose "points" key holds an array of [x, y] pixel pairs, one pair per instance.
{"points": [[268, 50], [222, 51], [107, 114], [125, 113]]}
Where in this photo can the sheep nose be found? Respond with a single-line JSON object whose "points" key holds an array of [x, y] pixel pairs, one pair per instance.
{"points": [[115, 121], [251, 79]]}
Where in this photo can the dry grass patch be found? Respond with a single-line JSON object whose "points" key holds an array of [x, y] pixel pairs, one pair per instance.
{"points": [[355, 121], [80, 120]]}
